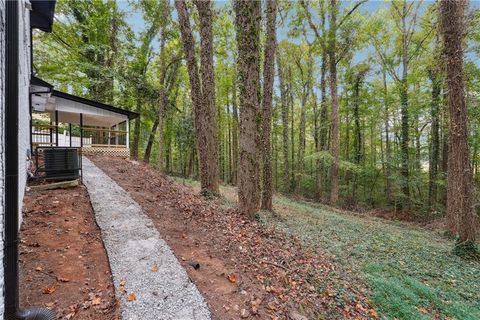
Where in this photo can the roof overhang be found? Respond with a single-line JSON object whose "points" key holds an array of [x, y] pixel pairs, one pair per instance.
{"points": [[69, 107], [41, 16], [102, 106]]}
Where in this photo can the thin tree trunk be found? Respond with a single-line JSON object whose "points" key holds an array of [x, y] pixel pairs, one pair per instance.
{"points": [[333, 93], [248, 41], [357, 136], [323, 118], [306, 79], [235, 132], [161, 107], [460, 202], [435, 136], [388, 149], [404, 113], [268, 79], [284, 104], [136, 133], [151, 138]]}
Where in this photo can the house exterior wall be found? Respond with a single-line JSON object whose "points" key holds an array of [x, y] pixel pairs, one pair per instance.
{"points": [[24, 120], [24, 101], [2, 148]]}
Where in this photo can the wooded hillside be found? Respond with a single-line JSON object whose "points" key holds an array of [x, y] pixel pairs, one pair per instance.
{"points": [[364, 105]]}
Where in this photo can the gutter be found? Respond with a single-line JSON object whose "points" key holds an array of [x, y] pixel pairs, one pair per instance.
{"points": [[11, 159], [10, 260]]}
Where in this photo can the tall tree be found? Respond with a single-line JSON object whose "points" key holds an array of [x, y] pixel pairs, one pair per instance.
{"points": [[460, 206], [332, 63], [202, 92], [268, 79], [435, 75], [284, 107], [247, 20], [306, 84]]}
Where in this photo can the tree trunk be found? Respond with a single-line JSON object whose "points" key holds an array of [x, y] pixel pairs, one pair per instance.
{"points": [[235, 132], [435, 77], [161, 108], [151, 138], [388, 149], [306, 82], [322, 140], [404, 113], [268, 79], [248, 42], [357, 134], [203, 93], [284, 103], [460, 188], [136, 133], [333, 93]]}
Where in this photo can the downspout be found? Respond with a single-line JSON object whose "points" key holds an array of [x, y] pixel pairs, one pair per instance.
{"points": [[11, 173]]}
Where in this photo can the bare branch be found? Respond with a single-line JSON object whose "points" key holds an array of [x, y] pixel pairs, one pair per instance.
{"points": [[310, 21], [350, 12]]}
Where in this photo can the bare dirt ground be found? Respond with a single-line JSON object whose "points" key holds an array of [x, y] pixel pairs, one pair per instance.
{"points": [[63, 264], [247, 270]]}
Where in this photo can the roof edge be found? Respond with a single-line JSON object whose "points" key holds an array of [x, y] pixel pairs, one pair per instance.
{"points": [[130, 114]]}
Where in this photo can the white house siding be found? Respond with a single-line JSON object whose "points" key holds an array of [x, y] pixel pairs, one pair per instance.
{"points": [[2, 146], [24, 101]]}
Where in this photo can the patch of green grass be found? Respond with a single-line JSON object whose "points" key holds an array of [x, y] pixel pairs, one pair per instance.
{"points": [[411, 271], [185, 181]]}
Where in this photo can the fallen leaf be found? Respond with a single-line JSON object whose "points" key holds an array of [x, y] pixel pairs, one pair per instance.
{"points": [[38, 268], [121, 286], [423, 310], [62, 279], [244, 313], [49, 290], [154, 268], [96, 301], [70, 315], [132, 296], [294, 315], [232, 278]]}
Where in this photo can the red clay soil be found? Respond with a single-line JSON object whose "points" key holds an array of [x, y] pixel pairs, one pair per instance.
{"points": [[247, 270], [63, 264]]}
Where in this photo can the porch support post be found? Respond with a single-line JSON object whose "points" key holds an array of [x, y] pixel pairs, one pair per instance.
{"points": [[116, 135], [128, 133], [56, 128], [70, 133], [81, 130]]}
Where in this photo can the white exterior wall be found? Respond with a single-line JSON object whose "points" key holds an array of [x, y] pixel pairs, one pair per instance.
{"points": [[2, 147], [24, 101]]}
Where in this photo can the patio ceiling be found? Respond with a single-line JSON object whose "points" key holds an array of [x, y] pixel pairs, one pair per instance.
{"points": [[69, 107]]}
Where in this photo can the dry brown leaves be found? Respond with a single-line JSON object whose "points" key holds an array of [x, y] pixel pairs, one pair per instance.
{"points": [[293, 277]]}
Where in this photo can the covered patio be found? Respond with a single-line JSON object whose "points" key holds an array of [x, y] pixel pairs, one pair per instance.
{"points": [[63, 120]]}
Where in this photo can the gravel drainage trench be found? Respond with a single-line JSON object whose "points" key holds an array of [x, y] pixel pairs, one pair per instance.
{"points": [[150, 282]]}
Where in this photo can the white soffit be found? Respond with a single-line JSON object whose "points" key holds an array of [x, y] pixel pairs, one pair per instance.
{"points": [[69, 112]]}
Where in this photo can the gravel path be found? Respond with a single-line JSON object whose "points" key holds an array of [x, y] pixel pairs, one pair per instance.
{"points": [[134, 247]]}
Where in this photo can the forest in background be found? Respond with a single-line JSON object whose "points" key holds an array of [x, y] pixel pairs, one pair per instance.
{"points": [[359, 112]]}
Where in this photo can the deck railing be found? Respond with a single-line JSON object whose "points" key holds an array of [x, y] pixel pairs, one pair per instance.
{"points": [[44, 135], [105, 137]]}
